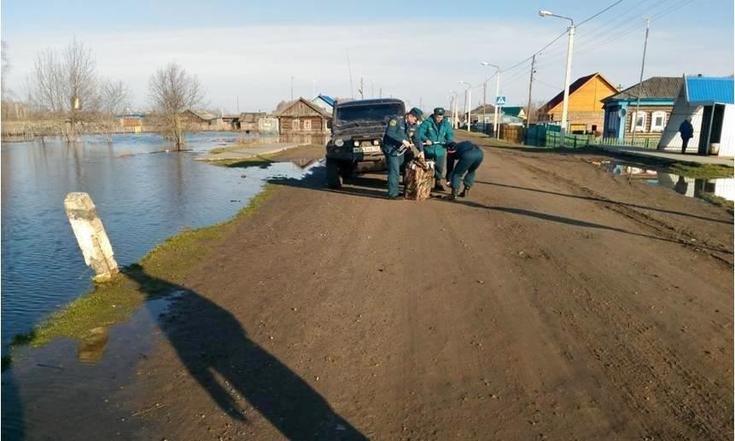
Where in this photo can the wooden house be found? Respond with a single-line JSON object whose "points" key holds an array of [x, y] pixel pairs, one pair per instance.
{"points": [[649, 104], [302, 117], [585, 113], [201, 120]]}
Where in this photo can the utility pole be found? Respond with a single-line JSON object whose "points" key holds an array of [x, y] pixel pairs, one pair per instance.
{"points": [[361, 90], [634, 119], [380, 93], [497, 93], [530, 90], [349, 70], [484, 104]]}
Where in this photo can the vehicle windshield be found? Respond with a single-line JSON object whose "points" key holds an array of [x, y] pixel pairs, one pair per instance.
{"points": [[379, 113]]}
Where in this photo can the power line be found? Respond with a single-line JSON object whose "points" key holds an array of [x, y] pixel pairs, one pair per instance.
{"points": [[600, 13]]}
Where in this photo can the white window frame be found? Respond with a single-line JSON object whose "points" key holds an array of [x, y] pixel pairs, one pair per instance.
{"points": [[295, 124], [658, 114], [306, 125], [634, 121]]}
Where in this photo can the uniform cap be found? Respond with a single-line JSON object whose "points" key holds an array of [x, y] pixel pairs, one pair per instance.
{"points": [[439, 111], [416, 112]]}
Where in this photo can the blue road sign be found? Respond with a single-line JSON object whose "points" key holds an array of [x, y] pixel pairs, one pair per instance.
{"points": [[500, 101]]}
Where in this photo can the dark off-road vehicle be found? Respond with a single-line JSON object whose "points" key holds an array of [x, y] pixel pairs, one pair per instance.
{"points": [[357, 135]]}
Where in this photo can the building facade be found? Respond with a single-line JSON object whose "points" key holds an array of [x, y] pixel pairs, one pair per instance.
{"points": [[585, 114], [642, 110], [709, 104], [302, 117]]}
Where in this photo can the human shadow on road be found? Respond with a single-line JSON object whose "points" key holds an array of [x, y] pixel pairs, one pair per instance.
{"points": [[364, 186], [590, 198], [577, 223], [211, 343]]}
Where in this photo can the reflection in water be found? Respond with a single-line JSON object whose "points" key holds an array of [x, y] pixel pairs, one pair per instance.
{"points": [[691, 187], [143, 195], [93, 347]]}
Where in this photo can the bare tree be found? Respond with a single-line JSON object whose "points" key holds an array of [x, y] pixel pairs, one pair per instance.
{"points": [[66, 85], [114, 98], [172, 91]]}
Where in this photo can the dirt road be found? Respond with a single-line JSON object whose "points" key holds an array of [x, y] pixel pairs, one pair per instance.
{"points": [[557, 302]]}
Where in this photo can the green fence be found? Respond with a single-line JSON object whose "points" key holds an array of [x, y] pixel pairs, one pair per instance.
{"points": [[554, 139]]}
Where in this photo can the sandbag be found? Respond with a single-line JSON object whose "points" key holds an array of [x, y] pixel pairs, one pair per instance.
{"points": [[419, 179]]}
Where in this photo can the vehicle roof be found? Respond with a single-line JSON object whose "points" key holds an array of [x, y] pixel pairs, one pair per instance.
{"points": [[370, 102]]}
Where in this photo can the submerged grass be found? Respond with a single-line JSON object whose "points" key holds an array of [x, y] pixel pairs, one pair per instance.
{"points": [[115, 301]]}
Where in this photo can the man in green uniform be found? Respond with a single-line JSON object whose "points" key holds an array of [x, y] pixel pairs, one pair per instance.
{"points": [[397, 141], [433, 134], [468, 157]]}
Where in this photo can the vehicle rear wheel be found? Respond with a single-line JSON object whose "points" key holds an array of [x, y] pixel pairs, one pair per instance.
{"points": [[334, 180]]}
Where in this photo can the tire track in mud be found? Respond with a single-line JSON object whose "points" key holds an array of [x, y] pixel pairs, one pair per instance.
{"points": [[665, 231]]}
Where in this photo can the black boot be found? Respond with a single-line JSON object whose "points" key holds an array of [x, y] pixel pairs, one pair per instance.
{"points": [[465, 192], [453, 195]]}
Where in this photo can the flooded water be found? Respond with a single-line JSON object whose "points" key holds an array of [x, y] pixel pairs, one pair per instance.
{"points": [[691, 187], [143, 195]]}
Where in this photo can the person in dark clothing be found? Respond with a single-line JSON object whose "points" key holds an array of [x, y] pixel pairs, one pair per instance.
{"points": [[398, 139], [468, 157], [686, 130]]}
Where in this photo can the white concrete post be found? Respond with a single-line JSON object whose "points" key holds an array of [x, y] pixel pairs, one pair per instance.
{"points": [[91, 235]]}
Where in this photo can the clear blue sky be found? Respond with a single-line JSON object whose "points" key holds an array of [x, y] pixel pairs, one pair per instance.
{"points": [[687, 36]]}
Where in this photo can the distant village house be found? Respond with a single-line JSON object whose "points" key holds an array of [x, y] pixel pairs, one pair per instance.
{"points": [[648, 104], [585, 113], [302, 117]]}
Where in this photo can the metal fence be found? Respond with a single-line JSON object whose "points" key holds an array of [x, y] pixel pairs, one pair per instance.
{"points": [[554, 139]]}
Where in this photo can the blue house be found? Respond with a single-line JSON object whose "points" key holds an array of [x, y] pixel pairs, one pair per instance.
{"points": [[656, 95], [709, 104]]}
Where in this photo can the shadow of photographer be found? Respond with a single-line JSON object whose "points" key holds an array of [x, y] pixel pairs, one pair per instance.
{"points": [[211, 342]]}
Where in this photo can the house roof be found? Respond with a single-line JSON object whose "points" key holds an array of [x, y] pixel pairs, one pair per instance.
{"points": [[654, 87], [326, 98], [705, 90], [512, 111], [489, 108], [573, 88], [203, 114], [307, 103]]}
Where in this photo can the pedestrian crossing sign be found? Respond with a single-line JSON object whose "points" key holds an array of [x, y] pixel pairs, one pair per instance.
{"points": [[499, 100]]}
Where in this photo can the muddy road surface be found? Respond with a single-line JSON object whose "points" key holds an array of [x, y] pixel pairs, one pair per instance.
{"points": [[557, 302]]}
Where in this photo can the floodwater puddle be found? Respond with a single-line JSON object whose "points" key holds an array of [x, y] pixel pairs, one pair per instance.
{"points": [[76, 383], [690, 187]]}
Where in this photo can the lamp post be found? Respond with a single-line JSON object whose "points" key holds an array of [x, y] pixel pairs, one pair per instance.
{"points": [[497, 92], [453, 108], [467, 101], [567, 73]]}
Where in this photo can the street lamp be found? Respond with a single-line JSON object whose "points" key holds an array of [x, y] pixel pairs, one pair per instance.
{"points": [[497, 92], [453, 108], [570, 47], [467, 101]]}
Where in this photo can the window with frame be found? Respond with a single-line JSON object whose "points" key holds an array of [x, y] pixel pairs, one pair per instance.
{"points": [[638, 121], [658, 121], [295, 124], [307, 124]]}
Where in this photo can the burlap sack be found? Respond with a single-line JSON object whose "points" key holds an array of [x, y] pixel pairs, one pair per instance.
{"points": [[419, 179]]}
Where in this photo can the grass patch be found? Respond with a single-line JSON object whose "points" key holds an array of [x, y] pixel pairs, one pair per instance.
{"points": [[701, 171], [115, 301], [716, 200]]}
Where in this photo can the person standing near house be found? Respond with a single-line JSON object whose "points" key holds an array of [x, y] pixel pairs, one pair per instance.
{"points": [[433, 134], [686, 130], [397, 140], [469, 157]]}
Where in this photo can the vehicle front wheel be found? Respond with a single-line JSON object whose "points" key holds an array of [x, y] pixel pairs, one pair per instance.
{"points": [[334, 180]]}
